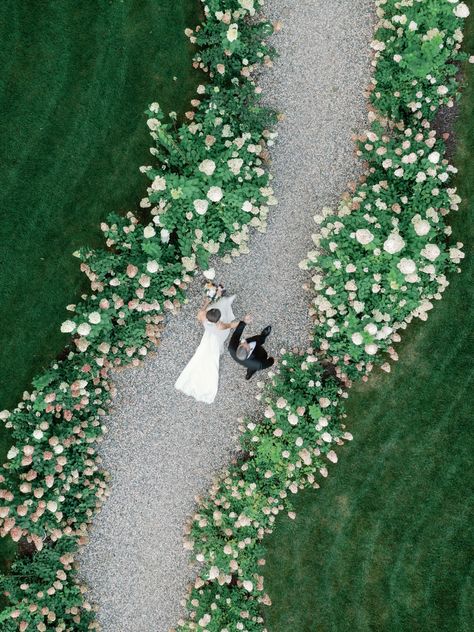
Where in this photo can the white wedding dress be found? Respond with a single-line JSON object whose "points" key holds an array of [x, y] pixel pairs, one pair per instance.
{"points": [[200, 377]]}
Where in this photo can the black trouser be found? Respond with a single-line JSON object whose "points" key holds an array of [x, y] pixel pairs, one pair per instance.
{"points": [[260, 339]]}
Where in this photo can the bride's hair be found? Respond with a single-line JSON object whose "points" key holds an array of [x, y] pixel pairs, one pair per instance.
{"points": [[213, 315]]}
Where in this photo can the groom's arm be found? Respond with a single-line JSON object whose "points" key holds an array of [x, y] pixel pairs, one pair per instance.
{"points": [[235, 339]]}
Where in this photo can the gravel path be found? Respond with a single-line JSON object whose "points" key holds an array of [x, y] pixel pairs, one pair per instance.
{"points": [[163, 448]]}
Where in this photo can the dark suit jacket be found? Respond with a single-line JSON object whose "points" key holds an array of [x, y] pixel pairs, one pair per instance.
{"points": [[259, 358]]}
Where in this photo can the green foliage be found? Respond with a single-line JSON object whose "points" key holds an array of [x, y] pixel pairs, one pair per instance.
{"points": [[208, 187], [45, 592]]}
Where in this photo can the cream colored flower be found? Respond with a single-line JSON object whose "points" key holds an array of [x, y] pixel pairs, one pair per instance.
{"points": [[431, 252], [233, 32], [215, 194], [68, 326], [82, 344], [95, 318], [461, 10], [371, 328], [12, 452], [421, 226], [371, 348], [201, 206], [152, 266], [149, 232], [84, 329], [153, 123], [235, 165], [364, 236], [394, 243], [406, 266], [357, 338], [209, 274], [208, 167], [158, 184]]}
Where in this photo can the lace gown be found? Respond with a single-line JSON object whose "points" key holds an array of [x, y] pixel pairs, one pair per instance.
{"points": [[200, 377]]}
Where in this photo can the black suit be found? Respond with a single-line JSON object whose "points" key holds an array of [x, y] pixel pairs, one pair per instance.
{"points": [[258, 359]]}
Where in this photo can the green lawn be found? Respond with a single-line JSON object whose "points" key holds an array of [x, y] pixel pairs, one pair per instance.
{"points": [[383, 546], [75, 80]]}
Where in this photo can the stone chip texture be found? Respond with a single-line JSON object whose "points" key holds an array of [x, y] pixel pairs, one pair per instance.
{"points": [[162, 448]]}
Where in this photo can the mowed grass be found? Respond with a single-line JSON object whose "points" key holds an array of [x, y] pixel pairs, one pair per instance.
{"points": [[386, 544], [75, 80]]}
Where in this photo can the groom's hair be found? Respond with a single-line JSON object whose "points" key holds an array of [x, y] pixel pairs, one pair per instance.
{"points": [[241, 352], [213, 315]]}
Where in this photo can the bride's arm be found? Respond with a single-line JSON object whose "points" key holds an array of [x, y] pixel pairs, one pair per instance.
{"points": [[201, 315], [231, 325]]}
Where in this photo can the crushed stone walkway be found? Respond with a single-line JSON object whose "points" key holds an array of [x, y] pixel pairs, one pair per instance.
{"points": [[162, 448]]}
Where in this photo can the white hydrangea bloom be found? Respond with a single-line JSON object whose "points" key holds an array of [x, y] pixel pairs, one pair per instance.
{"points": [[152, 266], [84, 329], [406, 266], [394, 243], [371, 328], [235, 165], [357, 338], [149, 232], [68, 326], [201, 206], [364, 236], [208, 167], [158, 184], [422, 226], [233, 32], [94, 318], [431, 252], [209, 274], [461, 10], [215, 194]]}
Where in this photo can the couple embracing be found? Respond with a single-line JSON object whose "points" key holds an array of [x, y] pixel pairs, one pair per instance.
{"points": [[200, 377]]}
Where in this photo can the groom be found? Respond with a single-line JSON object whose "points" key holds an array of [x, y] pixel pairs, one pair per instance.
{"points": [[249, 352]]}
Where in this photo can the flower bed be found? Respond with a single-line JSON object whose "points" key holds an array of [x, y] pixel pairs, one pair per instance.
{"points": [[382, 258], [207, 187]]}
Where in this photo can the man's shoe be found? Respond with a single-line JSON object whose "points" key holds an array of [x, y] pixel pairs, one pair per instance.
{"points": [[266, 332]]}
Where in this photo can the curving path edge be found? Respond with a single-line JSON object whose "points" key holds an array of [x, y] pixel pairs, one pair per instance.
{"points": [[162, 448]]}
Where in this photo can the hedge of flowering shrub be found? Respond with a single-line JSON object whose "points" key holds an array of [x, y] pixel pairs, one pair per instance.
{"points": [[385, 251], [382, 257], [207, 187]]}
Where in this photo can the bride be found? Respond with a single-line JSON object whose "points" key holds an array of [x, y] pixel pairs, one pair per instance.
{"points": [[200, 377]]}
